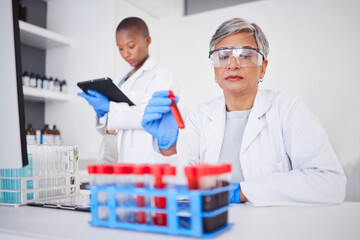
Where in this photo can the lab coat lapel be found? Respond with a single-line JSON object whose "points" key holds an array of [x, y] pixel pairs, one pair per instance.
{"points": [[214, 130], [255, 124], [148, 65]]}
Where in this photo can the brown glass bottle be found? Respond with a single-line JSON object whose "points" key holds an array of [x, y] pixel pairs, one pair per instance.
{"points": [[56, 136], [46, 127], [22, 11], [30, 135]]}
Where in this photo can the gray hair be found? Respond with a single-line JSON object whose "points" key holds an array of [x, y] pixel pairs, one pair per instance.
{"points": [[237, 25]]}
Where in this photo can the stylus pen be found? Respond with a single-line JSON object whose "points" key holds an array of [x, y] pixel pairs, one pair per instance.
{"points": [[175, 110]]}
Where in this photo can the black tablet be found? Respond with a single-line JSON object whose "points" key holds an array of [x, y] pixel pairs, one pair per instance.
{"points": [[106, 87]]}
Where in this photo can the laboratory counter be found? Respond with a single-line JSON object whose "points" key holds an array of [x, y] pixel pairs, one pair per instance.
{"points": [[297, 222]]}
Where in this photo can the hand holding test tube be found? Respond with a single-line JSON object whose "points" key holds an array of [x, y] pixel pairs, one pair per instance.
{"points": [[162, 119]]}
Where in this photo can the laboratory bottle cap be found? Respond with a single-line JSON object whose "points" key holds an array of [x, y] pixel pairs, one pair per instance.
{"points": [[105, 169], [170, 170], [92, 169], [123, 168]]}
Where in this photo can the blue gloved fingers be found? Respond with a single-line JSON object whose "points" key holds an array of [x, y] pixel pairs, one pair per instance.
{"points": [[161, 94], [94, 93], [234, 193], [88, 98], [148, 118], [159, 102], [157, 109], [176, 99], [83, 95]]}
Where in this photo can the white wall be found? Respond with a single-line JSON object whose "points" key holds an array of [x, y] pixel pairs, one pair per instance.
{"points": [[314, 53]]}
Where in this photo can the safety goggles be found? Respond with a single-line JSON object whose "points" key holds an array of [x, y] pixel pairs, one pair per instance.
{"points": [[245, 56]]}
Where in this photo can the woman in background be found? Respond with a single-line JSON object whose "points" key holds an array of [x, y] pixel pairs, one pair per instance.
{"points": [[124, 138]]}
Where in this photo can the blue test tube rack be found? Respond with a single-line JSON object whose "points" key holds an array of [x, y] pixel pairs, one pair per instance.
{"points": [[195, 214]]}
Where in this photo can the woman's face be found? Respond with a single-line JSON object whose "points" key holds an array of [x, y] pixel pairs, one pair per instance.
{"points": [[133, 46], [234, 79]]}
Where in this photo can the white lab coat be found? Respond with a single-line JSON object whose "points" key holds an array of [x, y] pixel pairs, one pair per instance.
{"points": [[133, 142], [285, 154]]}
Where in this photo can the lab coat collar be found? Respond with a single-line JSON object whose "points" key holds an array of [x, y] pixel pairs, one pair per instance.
{"points": [[148, 65], [255, 122], [262, 103], [215, 127]]}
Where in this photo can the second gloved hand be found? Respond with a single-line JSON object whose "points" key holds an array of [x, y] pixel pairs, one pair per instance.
{"points": [[159, 121], [99, 102], [234, 193]]}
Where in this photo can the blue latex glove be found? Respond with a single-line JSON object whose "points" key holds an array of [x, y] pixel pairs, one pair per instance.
{"points": [[99, 102], [234, 193], [159, 121]]}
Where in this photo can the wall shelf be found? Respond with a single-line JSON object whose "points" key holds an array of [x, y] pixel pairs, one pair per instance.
{"points": [[41, 95], [42, 38]]}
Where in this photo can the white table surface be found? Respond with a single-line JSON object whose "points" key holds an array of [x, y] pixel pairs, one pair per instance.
{"points": [[290, 223]]}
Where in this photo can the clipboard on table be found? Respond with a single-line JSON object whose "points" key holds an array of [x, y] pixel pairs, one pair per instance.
{"points": [[106, 87]]}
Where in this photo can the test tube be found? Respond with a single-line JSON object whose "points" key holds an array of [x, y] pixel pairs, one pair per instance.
{"points": [[157, 172], [170, 176], [224, 180], [123, 174], [141, 181], [224, 175], [104, 178], [175, 111], [92, 170]]}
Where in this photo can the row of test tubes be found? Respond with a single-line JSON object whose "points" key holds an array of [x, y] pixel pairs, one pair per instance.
{"points": [[157, 176], [54, 160], [50, 163]]}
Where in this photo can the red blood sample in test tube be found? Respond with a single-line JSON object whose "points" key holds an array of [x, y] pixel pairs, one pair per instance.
{"points": [[157, 171], [140, 174], [175, 110]]}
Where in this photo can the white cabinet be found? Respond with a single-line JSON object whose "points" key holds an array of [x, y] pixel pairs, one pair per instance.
{"points": [[42, 38]]}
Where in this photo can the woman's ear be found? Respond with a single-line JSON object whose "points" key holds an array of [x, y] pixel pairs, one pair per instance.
{"points": [[263, 68], [148, 41]]}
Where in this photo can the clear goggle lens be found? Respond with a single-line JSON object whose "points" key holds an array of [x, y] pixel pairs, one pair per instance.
{"points": [[245, 57]]}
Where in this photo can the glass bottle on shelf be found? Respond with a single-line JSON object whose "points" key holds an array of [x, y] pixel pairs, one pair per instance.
{"points": [[38, 81], [56, 85], [56, 136], [32, 80], [22, 11], [63, 87], [30, 135], [45, 83], [51, 84], [46, 127], [26, 79], [48, 137]]}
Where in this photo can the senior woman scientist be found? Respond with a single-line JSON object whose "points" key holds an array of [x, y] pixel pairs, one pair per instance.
{"points": [[279, 151]]}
